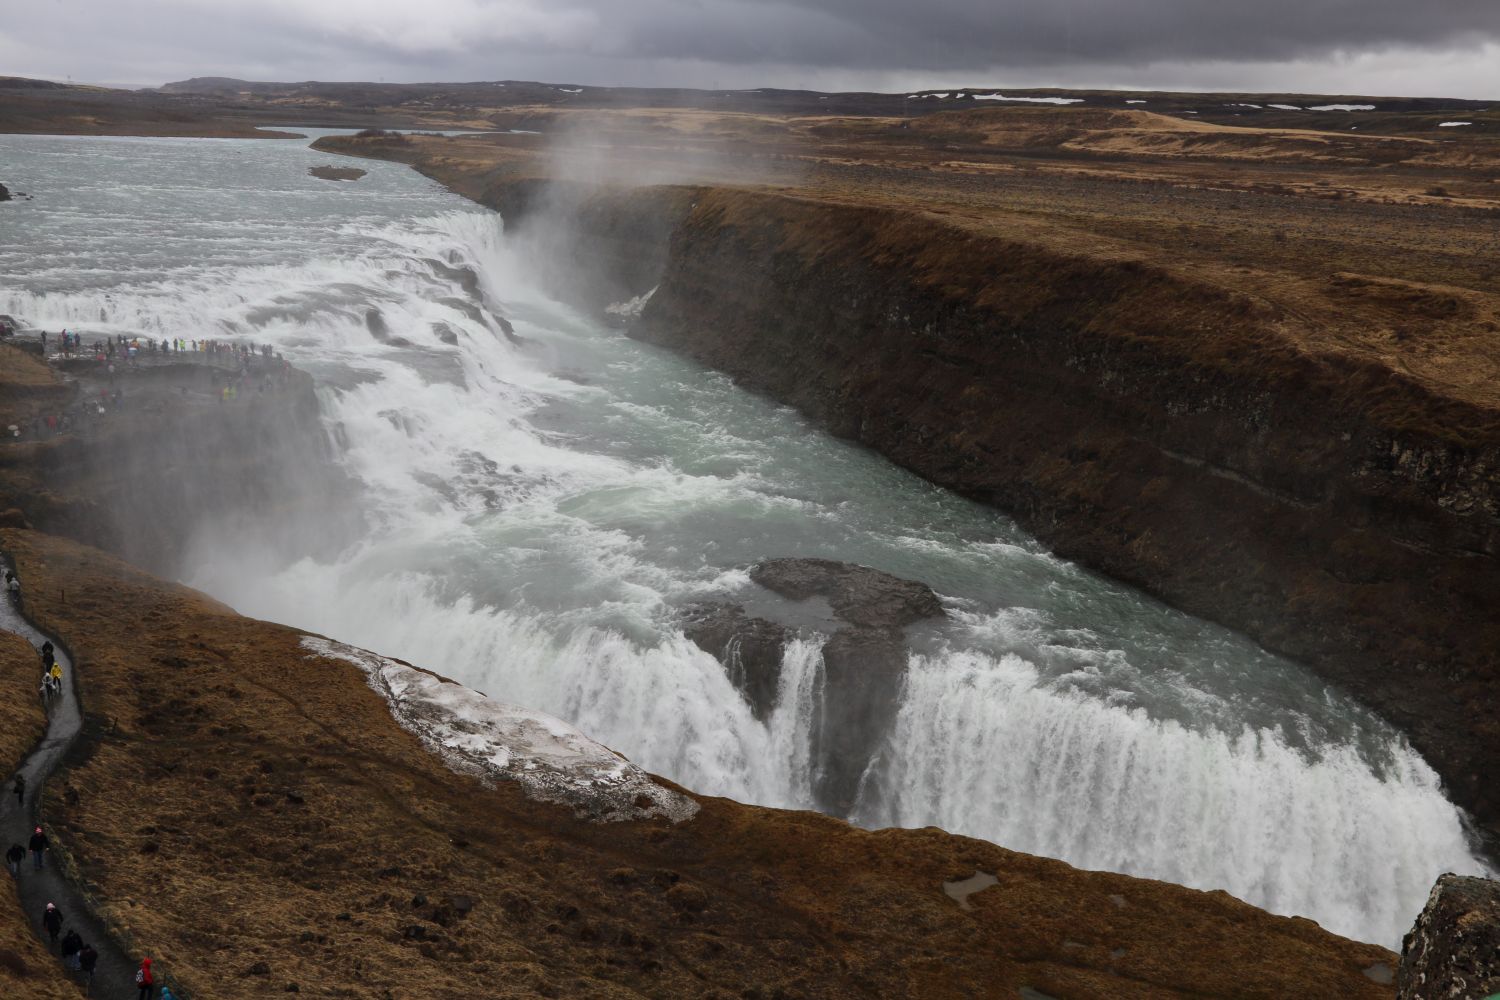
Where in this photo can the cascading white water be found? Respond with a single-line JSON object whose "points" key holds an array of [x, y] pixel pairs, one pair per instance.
{"points": [[538, 509]]}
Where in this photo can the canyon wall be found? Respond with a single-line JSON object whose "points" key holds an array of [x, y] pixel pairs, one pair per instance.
{"points": [[1166, 431], [148, 478]]}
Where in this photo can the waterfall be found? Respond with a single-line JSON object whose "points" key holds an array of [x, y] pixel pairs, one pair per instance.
{"points": [[540, 505]]}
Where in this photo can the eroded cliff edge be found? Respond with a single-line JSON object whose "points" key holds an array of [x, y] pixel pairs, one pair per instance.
{"points": [[1171, 433], [1292, 455]]}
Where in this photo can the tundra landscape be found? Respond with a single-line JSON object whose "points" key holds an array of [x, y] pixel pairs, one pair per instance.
{"points": [[516, 539]]}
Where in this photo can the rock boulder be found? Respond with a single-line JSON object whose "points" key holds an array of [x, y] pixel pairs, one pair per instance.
{"points": [[749, 648], [859, 595], [1453, 951]]}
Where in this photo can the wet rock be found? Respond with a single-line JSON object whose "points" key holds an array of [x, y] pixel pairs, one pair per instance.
{"points": [[336, 173], [4, 193], [863, 671], [331, 173], [509, 330], [1453, 950], [749, 648], [445, 333], [375, 323], [859, 595]]}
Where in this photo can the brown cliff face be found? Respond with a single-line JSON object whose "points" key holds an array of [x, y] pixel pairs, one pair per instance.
{"points": [[1164, 430], [174, 460], [253, 817]]}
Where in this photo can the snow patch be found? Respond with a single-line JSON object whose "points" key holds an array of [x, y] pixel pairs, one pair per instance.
{"points": [[1453, 124], [1342, 107], [1135, 102], [1257, 107], [571, 90], [1286, 107], [1029, 100], [631, 308], [493, 741]]}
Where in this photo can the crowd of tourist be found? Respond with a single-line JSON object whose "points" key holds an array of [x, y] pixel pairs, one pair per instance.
{"points": [[247, 369]]}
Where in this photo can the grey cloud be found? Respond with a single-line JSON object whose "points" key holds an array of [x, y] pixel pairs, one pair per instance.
{"points": [[962, 34], [825, 44]]}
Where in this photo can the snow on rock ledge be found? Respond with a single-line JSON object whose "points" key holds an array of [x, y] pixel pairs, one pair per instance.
{"points": [[551, 760]]}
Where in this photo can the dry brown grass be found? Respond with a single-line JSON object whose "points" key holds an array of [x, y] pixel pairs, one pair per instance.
{"points": [[22, 720]]}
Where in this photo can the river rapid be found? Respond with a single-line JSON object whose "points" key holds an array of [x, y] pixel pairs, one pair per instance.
{"points": [[539, 509]]}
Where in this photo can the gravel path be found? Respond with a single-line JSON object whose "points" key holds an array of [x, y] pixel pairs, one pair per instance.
{"points": [[115, 975]]}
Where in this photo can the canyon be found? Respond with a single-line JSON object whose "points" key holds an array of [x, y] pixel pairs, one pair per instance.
{"points": [[1247, 370]]}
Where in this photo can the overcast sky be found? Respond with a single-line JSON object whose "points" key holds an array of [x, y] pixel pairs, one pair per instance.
{"points": [[1382, 47]]}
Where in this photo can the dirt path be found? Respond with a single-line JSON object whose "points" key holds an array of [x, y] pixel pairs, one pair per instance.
{"points": [[115, 975]]}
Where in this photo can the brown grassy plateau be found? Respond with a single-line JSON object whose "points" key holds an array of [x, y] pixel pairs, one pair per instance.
{"points": [[1383, 246]]}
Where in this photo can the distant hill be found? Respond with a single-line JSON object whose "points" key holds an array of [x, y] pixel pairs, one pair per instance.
{"points": [[1279, 110]]}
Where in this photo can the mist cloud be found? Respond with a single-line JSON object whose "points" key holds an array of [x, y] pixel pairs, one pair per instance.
{"points": [[823, 44]]}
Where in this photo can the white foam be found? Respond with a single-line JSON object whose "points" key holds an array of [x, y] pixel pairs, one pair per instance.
{"points": [[630, 308], [983, 746]]}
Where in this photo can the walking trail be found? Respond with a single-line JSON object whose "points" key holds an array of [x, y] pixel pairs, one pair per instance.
{"points": [[114, 977]]}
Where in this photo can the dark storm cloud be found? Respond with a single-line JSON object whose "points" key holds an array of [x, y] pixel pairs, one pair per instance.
{"points": [[1385, 46], [958, 34]]}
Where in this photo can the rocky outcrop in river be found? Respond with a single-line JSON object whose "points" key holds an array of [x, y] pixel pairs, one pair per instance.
{"points": [[864, 661]]}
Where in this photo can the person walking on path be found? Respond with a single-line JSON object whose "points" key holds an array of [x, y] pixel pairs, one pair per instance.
{"points": [[88, 958], [13, 859], [71, 943], [38, 847], [52, 920], [144, 980], [56, 674], [20, 789]]}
